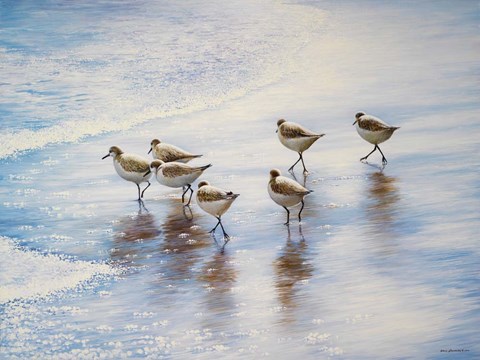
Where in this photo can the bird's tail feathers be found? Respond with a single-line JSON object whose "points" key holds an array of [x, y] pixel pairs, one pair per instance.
{"points": [[231, 195], [204, 167]]}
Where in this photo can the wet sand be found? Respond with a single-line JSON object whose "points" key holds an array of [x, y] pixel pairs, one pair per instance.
{"points": [[383, 265]]}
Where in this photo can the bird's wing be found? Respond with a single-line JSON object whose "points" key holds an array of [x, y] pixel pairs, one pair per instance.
{"points": [[286, 186], [134, 163], [174, 169], [211, 193], [171, 152], [372, 123], [292, 130]]}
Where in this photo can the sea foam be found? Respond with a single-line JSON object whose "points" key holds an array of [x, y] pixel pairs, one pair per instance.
{"points": [[26, 274], [178, 58]]}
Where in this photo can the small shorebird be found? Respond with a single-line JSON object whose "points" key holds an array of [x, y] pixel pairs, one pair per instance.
{"points": [[373, 130], [215, 201], [296, 138], [130, 167], [168, 153], [176, 175], [286, 192]]}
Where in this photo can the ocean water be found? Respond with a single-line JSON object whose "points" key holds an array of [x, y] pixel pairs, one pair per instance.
{"points": [[75, 70], [385, 263]]}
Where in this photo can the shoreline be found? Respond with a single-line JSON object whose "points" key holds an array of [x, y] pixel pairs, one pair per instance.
{"points": [[346, 281]]}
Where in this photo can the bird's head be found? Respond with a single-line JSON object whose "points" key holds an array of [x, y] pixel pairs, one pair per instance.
{"points": [[153, 143], [154, 166], [358, 116], [114, 151], [280, 122], [274, 173], [203, 183]]}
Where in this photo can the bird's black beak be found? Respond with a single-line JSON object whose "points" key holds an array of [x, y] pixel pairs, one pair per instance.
{"points": [[355, 122], [105, 156], [149, 151], [148, 172], [276, 131]]}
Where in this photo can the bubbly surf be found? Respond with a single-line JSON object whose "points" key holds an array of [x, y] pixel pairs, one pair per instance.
{"points": [[28, 275], [66, 83]]}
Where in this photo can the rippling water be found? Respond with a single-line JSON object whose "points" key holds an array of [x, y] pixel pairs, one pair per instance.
{"points": [[72, 70], [385, 261]]}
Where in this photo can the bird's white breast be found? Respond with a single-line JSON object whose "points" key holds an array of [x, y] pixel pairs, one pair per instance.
{"points": [[215, 208], [284, 200], [374, 137]]}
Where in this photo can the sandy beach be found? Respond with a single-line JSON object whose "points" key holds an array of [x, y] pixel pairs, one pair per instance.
{"points": [[384, 264]]}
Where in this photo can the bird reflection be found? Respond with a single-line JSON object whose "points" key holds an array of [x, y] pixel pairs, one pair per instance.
{"points": [[383, 197], [180, 231], [304, 182], [130, 232], [291, 267], [381, 211], [220, 245], [218, 277], [183, 242]]}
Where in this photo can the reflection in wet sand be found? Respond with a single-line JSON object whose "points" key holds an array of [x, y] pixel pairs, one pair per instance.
{"points": [[218, 276], [301, 180], [180, 230], [382, 211], [183, 242], [129, 234], [383, 196], [291, 268]]}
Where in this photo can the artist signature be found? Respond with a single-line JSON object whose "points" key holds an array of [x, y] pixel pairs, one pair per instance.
{"points": [[454, 350]]}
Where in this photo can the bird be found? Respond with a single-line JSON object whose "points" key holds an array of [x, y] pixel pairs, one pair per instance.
{"points": [[130, 167], [168, 153], [216, 202], [176, 175], [286, 192], [296, 138], [373, 130]]}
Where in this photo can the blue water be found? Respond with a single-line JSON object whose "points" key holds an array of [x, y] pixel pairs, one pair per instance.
{"points": [[73, 70], [385, 263]]}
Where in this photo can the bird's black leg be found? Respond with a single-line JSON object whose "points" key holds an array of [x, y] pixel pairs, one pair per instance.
{"points": [[141, 206], [191, 193], [146, 188], [371, 152], [288, 216], [225, 235], [183, 195], [305, 171], [300, 212], [296, 162], [384, 159], [139, 197], [218, 223]]}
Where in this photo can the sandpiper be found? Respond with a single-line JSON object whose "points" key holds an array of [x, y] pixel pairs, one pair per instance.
{"points": [[168, 153], [373, 130], [130, 167], [286, 192], [215, 201], [176, 175], [296, 138]]}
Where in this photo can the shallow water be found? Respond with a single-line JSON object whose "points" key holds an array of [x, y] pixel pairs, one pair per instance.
{"points": [[384, 263]]}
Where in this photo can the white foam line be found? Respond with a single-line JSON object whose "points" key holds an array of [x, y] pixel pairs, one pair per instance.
{"points": [[26, 274]]}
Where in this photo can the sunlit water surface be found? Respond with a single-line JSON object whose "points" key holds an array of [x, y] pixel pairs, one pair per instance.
{"points": [[385, 262]]}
